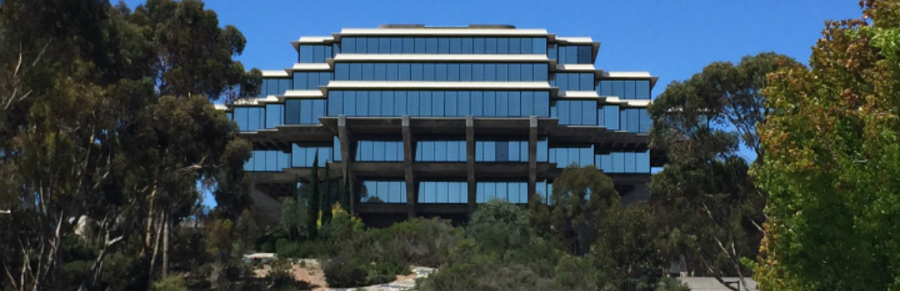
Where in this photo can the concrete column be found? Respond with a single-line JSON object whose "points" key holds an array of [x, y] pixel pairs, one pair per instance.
{"points": [[470, 162], [532, 155], [408, 169], [344, 138]]}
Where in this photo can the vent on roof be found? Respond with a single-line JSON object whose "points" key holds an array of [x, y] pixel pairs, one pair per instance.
{"points": [[504, 26], [401, 26]]}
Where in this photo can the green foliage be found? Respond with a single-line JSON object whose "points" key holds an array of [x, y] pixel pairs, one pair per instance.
{"points": [[575, 273], [267, 247], [173, 282], [832, 161], [342, 272], [327, 197], [312, 219], [498, 226], [705, 194], [280, 277], [627, 254], [571, 222]]}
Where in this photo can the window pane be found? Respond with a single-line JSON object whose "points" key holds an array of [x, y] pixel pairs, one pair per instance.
{"points": [[618, 89], [642, 89], [380, 72], [396, 45], [368, 72], [478, 72], [515, 45], [477, 102], [306, 54], [375, 103], [403, 71], [490, 104], [425, 104], [400, 103], [412, 103], [384, 45], [348, 44], [503, 45], [527, 103], [437, 103], [306, 111], [515, 72], [387, 103], [318, 54], [542, 104], [515, 104], [465, 72], [540, 72], [431, 45], [490, 45], [335, 103], [502, 72], [420, 45], [372, 45], [490, 72], [478, 45], [463, 104], [588, 113], [450, 104], [527, 73], [350, 103], [416, 71], [408, 45], [586, 82], [629, 90], [455, 45], [466, 45], [440, 72], [392, 72], [526, 46], [612, 116], [428, 74], [539, 46], [443, 45], [584, 54], [452, 72], [362, 103]]}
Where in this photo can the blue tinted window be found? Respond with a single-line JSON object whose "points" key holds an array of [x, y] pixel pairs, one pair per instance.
{"points": [[503, 45], [542, 104], [274, 115], [437, 103], [478, 45], [412, 103], [586, 82], [306, 54], [384, 45], [515, 104], [552, 52], [502, 72], [502, 104], [425, 104], [539, 46], [404, 72], [618, 89], [466, 45], [478, 71], [418, 45], [341, 72], [465, 72], [374, 103], [387, 103], [383, 192], [450, 104], [463, 103], [452, 72], [477, 102], [361, 45], [490, 72], [408, 46], [416, 71], [540, 72], [396, 45], [348, 44], [526, 46], [443, 45], [318, 54], [584, 54], [429, 73], [515, 46], [629, 89], [350, 103], [455, 45], [368, 72], [612, 116], [527, 73], [400, 103], [335, 103], [490, 104], [515, 72], [372, 45], [440, 72], [490, 45], [642, 89], [362, 103]]}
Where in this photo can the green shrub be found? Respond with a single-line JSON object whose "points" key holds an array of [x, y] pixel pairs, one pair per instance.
{"points": [[671, 284], [267, 247], [280, 278], [499, 225], [342, 272], [174, 282]]}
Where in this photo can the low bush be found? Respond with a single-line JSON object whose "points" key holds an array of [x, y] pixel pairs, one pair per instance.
{"points": [[342, 272], [267, 247]]}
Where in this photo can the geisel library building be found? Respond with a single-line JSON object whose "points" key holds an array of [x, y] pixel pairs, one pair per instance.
{"points": [[431, 121]]}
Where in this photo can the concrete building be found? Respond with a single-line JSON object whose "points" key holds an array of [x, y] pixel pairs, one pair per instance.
{"points": [[431, 121]]}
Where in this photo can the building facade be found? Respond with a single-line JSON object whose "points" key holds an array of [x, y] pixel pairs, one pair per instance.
{"points": [[431, 121]]}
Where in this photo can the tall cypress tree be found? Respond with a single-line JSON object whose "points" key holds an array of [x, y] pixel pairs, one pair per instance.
{"points": [[326, 197], [314, 199]]}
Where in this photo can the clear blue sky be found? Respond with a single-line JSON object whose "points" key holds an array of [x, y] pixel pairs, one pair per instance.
{"points": [[670, 39]]}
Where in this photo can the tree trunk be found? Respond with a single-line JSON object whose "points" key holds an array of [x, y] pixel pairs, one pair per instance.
{"points": [[165, 254]]}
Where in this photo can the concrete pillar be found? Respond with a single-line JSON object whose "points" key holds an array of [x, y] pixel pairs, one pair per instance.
{"points": [[344, 138], [532, 155], [470, 162], [408, 168]]}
